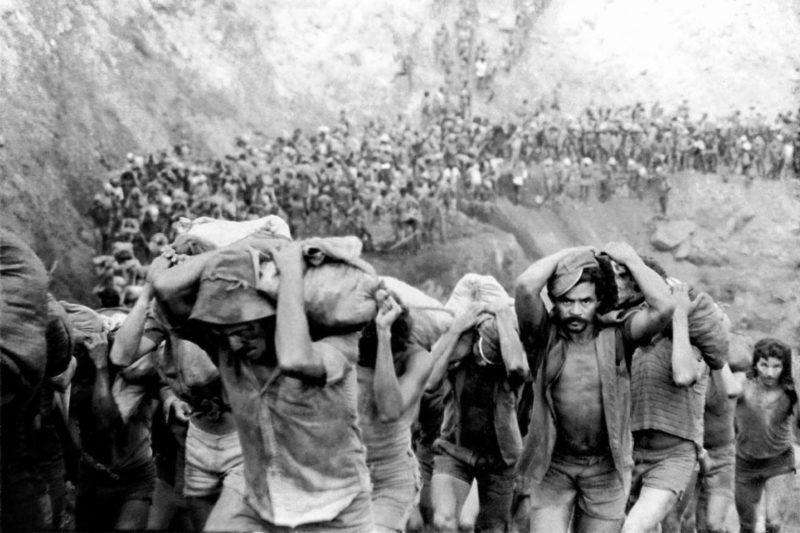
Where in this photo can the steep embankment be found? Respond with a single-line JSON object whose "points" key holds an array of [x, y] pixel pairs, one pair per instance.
{"points": [[741, 245], [83, 83]]}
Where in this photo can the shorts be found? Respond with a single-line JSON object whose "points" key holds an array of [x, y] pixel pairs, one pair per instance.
{"points": [[759, 470], [494, 478], [209, 461], [396, 485], [591, 481], [669, 469], [238, 515], [718, 472]]}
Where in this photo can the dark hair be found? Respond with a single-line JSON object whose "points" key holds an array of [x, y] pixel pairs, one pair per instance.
{"points": [[401, 339], [775, 349], [603, 279]]}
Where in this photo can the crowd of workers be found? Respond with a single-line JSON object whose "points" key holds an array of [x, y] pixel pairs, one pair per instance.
{"points": [[391, 174], [272, 384], [192, 400]]}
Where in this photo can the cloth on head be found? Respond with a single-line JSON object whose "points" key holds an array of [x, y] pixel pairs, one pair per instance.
{"points": [[568, 271], [499, 331]]}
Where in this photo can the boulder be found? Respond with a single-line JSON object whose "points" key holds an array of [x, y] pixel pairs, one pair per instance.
{"points": [[683, 250], [707, 257], [669, 235]]}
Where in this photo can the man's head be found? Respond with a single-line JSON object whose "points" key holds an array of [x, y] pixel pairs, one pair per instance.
{"points": [[772, 364], [251, 340], [577, 289]]}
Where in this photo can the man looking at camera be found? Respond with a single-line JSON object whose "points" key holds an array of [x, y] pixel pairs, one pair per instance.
{"points": [[578, 456]]}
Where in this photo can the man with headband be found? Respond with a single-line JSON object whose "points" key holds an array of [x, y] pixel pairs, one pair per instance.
{"points": [[480, 438], [577, 459]]}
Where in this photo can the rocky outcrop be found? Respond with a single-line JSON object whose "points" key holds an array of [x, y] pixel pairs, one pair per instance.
{"points": [[672, 234]]}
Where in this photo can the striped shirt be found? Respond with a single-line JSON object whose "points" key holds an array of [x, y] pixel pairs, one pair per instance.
{"points": [[657, 402]]}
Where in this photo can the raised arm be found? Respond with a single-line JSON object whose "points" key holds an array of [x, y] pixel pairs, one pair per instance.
{"points": [[104, 408], [385, 385], [528, 302], [292, 339], [686, 367], [658, 312], [395, 395], [732, 381], [445, 349], [129, 343]]}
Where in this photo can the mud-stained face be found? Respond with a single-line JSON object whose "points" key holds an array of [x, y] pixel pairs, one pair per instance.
{"points": [[576, 309], [247, 340], [769, 371]]}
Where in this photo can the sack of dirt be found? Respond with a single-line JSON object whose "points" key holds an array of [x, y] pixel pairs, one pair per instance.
{"points": [[222, 233], [240, 285], [23, 316], [429, 318], [740, 352], [339, 286], [476, 288], [503, 326], [708, 330]]}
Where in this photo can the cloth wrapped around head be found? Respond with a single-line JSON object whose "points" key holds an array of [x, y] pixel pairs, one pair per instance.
{"points": [[498, 335], [569, 271]]}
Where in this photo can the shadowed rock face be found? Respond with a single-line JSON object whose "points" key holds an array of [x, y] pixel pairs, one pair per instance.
{"points": [[82, 84], [85, 83]]}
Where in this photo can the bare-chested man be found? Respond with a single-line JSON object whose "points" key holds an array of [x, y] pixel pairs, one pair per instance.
{"points": [[578, 456], [764, 451]]}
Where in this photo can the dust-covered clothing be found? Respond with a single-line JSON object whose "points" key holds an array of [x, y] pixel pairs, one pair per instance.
{"points": [[394, 470], [762, 435], [657, 402], [285, 423]]}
